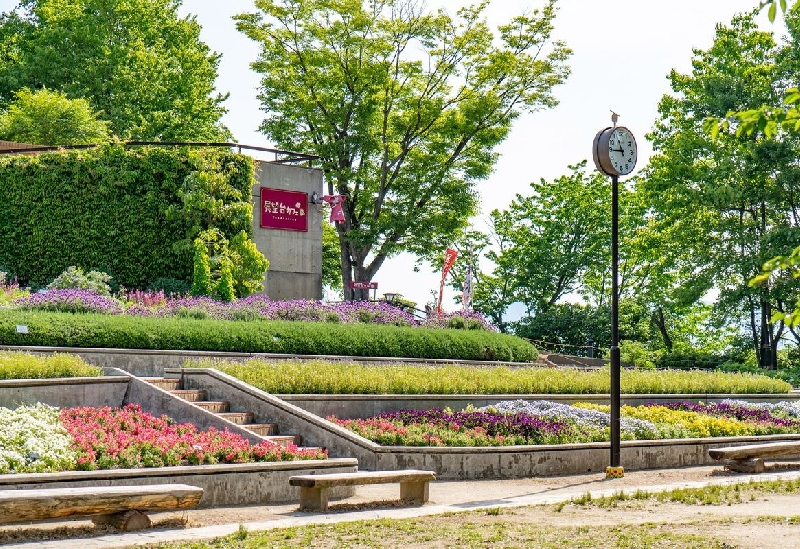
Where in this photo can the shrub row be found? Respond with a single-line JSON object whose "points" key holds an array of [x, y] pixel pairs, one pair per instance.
{"points": [[259, 336], [15, 365], [323, 377]]}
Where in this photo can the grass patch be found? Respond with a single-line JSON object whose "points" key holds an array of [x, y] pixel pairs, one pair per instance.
{"points": [[20, 365], [720, 494], [464, 530], [325, 377]]}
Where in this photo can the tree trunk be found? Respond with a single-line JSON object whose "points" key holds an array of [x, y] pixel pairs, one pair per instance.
{"points": [[658, 319]]}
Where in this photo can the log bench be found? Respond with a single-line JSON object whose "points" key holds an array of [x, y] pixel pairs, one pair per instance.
{"points": [[314, 488], [120, 506], [750, 458]]}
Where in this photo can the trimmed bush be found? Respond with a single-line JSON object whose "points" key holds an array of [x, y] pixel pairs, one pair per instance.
{"points": [[322, 377], [17, 365], [259, 336]]}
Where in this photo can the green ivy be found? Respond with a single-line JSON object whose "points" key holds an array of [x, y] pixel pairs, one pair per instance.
{"points": [[130, 212]]}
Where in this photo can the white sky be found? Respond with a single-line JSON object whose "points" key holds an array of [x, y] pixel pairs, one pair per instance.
{"points": [[623, 52]]}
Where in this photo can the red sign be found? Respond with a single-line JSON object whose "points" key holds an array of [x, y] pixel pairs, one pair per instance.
{"points": [[363, 285], [285, 210]]}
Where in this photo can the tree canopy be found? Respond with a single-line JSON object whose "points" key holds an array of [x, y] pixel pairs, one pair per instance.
{"points": [[46, 117], [404, 108], [141, 66]]}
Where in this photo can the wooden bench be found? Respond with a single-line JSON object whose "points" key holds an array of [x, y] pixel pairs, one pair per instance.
{"points": [[314, 488], [119, 506], [750, 458]]}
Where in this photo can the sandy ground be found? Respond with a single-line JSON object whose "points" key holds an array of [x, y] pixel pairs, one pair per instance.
{"points": [[733, 523]]}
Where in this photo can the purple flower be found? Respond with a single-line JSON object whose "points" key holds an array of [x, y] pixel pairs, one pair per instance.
{"points": [[70, 301]]}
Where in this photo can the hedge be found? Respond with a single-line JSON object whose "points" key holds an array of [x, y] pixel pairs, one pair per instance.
{"points": [[327, 377], [259, 336], [112, 209]]}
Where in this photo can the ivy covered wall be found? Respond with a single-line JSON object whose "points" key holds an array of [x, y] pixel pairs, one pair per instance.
{"points": [[130, 212]]}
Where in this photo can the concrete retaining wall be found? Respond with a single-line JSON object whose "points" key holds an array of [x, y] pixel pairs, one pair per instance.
{"points": [[64, 393], [460, 463], [153, 362], [449, 463], [229, 484]]}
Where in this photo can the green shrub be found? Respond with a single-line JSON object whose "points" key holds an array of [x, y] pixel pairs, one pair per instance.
{"points": [[260, 336], [694, 360], [74, 278], [325, 377], [19, 365], [172, 287]]}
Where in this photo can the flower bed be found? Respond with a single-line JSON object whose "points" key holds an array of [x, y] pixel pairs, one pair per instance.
{"points": [[541, 422], [254, 307], [41, 438]]}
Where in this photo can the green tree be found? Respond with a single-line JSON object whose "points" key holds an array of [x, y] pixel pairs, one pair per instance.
{"points": [[727, 203], [404, 108], [331, 258], [47, 117], [138, 63], [545, 243]]}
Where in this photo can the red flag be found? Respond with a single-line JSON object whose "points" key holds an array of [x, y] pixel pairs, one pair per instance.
{"points": [[336, 201], [449, 258]]}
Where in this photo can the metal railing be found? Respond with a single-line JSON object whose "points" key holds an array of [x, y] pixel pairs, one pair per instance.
{"points": [[280, 156]]}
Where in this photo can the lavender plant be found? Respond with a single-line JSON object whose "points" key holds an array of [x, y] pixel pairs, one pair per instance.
{"points": [[70, 301]]}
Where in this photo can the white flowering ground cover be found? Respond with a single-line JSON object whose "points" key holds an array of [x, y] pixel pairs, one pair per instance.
{"points": [[33, 440]]}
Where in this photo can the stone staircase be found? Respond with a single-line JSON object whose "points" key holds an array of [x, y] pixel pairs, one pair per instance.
{"points": [[199, 397]]}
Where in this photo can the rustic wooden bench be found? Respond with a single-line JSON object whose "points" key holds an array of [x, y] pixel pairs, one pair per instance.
{"points": [[119, 506], [750, 458], [314, 488]]}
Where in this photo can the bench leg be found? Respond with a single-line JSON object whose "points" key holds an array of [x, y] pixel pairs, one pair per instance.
{"points": [[416, 491], [752, 465], [313, 499], [126, 521]]}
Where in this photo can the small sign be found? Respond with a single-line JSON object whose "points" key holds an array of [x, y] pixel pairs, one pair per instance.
{"points": [[363, 285], [284, 210], [22, 329]]}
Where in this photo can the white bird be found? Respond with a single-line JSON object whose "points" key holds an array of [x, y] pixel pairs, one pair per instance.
{"points": [[614, 118]]}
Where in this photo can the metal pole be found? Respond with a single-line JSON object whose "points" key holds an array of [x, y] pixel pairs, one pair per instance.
{"points": [[615, 366]]}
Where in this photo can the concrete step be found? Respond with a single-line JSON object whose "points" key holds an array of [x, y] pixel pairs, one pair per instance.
{"points": [[315, 448], [214, 405], [239, 418], [192, 395], [264, 429], [169, 384], [285, 440]]}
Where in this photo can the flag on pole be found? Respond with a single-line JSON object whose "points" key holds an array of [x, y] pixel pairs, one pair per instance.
{"points": [[449, 258], [466, 296], [336, 201]]}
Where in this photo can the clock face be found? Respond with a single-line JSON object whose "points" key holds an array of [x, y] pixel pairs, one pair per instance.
{"points": [[622, 150]]}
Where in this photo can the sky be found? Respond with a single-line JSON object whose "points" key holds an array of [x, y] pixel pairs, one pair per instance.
{"points": [[623, 51]]}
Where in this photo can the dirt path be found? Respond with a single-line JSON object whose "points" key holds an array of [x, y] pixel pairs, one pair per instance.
{"points": [[738, 525]]}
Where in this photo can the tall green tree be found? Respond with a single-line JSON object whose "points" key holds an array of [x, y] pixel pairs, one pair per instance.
{"points": [[47, 117], [546, 242], [404, 108], [728, 203], [136, 61]]}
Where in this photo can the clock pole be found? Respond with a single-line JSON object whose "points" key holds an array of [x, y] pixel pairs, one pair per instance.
{"points": [[615, 469], [614, 151]]}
